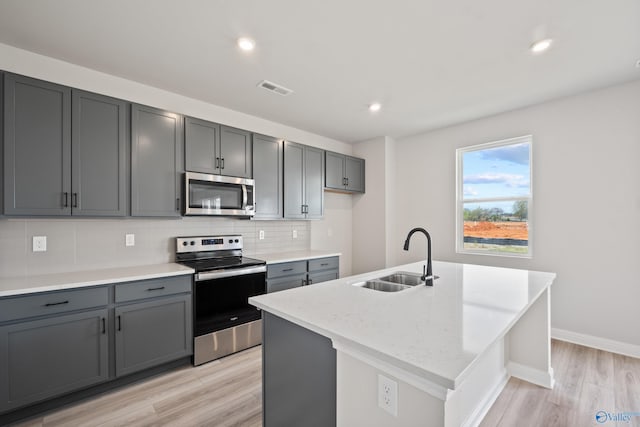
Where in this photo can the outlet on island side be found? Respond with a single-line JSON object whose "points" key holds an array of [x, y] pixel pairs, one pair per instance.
{"points": [[388, 395], [261, 235]]}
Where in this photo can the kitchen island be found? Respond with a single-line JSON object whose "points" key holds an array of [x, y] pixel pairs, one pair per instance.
{"points": [[448, 349]]}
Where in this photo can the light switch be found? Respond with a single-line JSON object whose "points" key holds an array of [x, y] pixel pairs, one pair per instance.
{"points": [[39, 243]]}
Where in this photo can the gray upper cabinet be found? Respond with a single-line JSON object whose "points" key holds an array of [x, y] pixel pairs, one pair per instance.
{"points": [[37, 147], [303, 181], [202, 146], [156, 147], [344, 173], [215, 149], [235, 152], [65, 151], [267, 172], [98, 155]]}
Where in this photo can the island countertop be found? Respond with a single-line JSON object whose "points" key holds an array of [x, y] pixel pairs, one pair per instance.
{"points": [[434, 332]]}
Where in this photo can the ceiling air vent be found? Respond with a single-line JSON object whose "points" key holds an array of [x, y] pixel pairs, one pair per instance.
{"points": [[272, 87]]}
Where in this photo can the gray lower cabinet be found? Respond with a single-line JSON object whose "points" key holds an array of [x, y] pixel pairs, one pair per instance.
{"points": [[65, 150], [54, 343], [156, 162], [303, 181], [287, 275], [268, 174], [215, 149], [344, 173], [49, 357], [153, 332]]}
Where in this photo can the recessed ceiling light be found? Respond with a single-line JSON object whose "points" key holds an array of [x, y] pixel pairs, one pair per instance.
{"points": [[375, 107], [246, 44], [541, 45]]}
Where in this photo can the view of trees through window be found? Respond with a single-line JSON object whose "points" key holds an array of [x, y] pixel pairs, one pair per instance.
{"points": [[494, 194]]}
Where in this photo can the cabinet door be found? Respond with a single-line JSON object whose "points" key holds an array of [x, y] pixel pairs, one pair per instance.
{"points": [[201, 141], [151, 333], [314, 182], [45, 358], [354, 169], [323, 276], [280, 284], [98, 154], [155, 162], [334, 171], [293, 180], [235, 152], [37, 147], [267, 173]]}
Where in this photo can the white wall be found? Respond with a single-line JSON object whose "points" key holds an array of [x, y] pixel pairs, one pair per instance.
{"points": [[586, 212], [15, 235]]}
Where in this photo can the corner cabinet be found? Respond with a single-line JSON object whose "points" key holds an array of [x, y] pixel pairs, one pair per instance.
{"points": [[156, 159], [303, 181], [65, 151], [215, 149], [268, 174], [344, 173]]}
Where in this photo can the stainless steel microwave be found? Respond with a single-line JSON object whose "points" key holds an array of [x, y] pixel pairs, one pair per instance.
{"points": [[206, 194]]}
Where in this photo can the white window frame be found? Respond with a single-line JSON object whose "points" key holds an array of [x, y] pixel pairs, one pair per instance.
{"points": [[461, 200]]}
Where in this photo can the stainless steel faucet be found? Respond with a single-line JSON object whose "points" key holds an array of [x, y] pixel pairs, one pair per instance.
{"points": [[427, 274]]}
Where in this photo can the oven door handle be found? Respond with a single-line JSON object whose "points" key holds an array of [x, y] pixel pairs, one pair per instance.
{"points": [[229, 272]]}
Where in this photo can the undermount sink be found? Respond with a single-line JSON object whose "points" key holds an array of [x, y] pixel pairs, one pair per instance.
{"points": [[378, 285], [394, 282]]}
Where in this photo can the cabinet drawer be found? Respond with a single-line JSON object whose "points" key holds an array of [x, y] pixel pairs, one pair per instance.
{"points": [[153, 288], [52, 303], [330, 263], [286, 269], [323, 276], [275, 285]]}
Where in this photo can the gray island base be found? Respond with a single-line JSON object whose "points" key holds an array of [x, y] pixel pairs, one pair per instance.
{"points": [[449, 349]]}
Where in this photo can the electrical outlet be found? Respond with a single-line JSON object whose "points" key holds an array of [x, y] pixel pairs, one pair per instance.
{"points": [[261, 235], [295, 234], [39, 243], [130, 239], [388, 395]]}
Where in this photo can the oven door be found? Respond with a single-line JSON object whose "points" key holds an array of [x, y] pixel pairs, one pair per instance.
{"points": [[206, 194], [221, 298]]}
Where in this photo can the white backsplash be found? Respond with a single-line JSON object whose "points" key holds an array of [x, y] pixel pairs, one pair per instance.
{"points": [[86, 244]]}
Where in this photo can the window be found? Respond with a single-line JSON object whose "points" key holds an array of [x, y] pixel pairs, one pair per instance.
{"points": [[494, 199]]}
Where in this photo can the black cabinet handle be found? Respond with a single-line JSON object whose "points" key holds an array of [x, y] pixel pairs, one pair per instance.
{"points": [[222, 163], [104, 326], [74, 200], [65, 203], [304, 282], [347, 181], [217, 162], [310, 281], [324, 264], [156, 289], [287, 269], [301, 209], [119, 323], [178, 204], [51, 304], [306, 209]]}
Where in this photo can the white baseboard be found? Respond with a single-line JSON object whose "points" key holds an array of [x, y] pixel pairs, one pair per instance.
{"points": [[596, 342], [482, 409], [532, 375]]}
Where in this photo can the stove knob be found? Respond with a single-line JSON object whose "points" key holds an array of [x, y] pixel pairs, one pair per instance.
{"points": [[230, 240], [184, 243], [193, 243], [236, 240]]}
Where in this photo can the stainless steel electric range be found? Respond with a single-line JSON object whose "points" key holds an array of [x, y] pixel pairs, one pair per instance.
{"points": [[224, 322]]}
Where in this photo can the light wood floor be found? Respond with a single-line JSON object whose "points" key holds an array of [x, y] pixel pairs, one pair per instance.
{"points": [[227, 392]]}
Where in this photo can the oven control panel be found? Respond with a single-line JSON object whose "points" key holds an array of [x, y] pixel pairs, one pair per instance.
{"points": [[208, 243]]}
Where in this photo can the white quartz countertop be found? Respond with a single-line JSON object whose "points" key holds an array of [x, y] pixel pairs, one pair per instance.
{"points": [[434, 332], [12, 286], [275, 258]]}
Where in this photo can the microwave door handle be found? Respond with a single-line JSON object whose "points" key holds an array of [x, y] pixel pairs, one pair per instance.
{"points": [[244, 196]]}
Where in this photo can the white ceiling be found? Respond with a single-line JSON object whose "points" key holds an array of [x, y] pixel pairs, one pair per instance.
{"points": [[430, 63]]}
